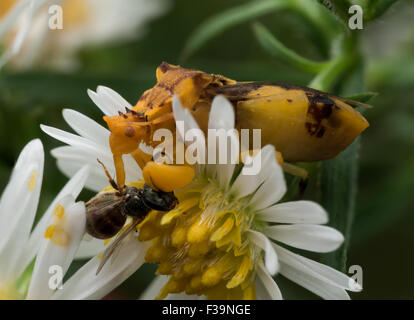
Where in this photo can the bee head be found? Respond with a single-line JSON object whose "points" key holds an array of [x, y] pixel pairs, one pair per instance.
{"points": [[134, 203], [159, 200]]}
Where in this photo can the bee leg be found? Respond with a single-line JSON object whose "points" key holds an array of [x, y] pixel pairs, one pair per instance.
{"points": [[167, 177], [111, 180]]}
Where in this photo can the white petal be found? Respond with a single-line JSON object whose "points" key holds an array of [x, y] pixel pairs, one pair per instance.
{"points": [[117, 101], [25, 25], [302, 211], [154, 288], [96, 180], [183, 118], [72, 188], [86, 127], [221, 114], [249, 180], [85, 284], [306, 236], [316, 269], [55, 255], [90, 248], [272, 190], [104, 104], [319, 287], [246, 184], [27, 9], [225, 171], [18, 207], [82, 156], [71, 159], [8, 20], [268, 283], [260, 240], [71, 139]]}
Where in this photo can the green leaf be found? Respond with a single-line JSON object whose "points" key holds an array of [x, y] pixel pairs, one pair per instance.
{"points": [[377, 8], [22, 284], [375, 214], [339, 187], [227, 19], [339, 8], [279, 50]]}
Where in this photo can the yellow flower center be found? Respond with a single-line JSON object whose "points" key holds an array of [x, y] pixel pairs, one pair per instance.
{"points": [[5, 6], [202, 244], [75, 12], [8, 292]]}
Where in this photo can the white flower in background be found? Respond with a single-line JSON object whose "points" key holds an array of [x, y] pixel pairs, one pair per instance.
{"points": [[53, 242], [224, 239], [27, 37]]}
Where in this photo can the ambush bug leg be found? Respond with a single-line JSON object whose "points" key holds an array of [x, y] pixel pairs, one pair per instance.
{"points": [[141, 158], [295, 170], [120, 170]]}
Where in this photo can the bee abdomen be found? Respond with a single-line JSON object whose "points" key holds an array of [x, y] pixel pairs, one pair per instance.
{"points": [[103, 224]]}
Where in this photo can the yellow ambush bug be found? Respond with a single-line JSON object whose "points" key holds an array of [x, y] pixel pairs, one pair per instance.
{"points": [[303, 124]]}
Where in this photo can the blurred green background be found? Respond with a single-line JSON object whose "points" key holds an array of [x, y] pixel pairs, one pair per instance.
{"points": [[382, 238]]}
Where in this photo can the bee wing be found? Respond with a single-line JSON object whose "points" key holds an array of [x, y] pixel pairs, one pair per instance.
{"points": [[104, 200], [116, 244]]}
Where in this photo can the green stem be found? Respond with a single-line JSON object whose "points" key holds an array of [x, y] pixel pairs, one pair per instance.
{"points": [[339, 175], [325, 23], [279, 50], [326, 78]]}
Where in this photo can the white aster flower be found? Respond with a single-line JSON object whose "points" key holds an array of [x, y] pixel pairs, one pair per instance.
{"points": [[25, 30], [53, 242], [92, 141], [226, 237], [226, 221]]}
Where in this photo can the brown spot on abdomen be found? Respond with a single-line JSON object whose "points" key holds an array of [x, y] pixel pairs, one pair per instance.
{"points": [[320, 108]]}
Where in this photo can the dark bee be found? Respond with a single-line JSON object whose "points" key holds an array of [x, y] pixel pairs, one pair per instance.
{"points": [[107, 212]]}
